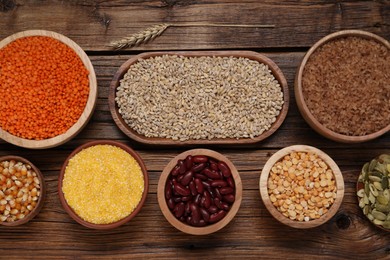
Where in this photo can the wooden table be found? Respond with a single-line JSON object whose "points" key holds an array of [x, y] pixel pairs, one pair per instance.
{"points": [[253, 233]]}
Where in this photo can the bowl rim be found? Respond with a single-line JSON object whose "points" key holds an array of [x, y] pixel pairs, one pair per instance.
{"points": [[120, 222], [88, 109], [187, 228], [263, 187], [42, 195], [118, 76], [304, 110]]}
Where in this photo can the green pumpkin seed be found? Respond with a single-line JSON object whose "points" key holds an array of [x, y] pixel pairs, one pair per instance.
{"points": [[383, 208], [378, 222], [378, 215], [360, 193], [378, 185], [373, 190], [388, 167], [371, 198], [372, 165], [385, 183], [381, 168], [385, 158], [370, 216], [367, 188], [365, 198], [386, 193], [386, 224], [375, 178], [362, 204], [382, 200], [366, 209]]}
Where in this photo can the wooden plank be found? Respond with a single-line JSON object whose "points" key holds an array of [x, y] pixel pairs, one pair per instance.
{"points": [[93, 24]]}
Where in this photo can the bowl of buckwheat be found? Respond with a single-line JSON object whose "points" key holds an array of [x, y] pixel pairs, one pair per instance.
{"points": [[22, 190], [199, 97], [301, 186]]}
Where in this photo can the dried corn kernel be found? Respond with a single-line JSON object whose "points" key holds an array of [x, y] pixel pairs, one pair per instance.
{"points": [[103, 184]]}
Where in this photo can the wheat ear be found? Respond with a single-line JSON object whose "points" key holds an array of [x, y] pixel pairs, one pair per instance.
{"points": [[156, 30]]}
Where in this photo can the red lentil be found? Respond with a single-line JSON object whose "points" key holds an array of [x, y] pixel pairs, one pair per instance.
{"points": [[44, 86]]}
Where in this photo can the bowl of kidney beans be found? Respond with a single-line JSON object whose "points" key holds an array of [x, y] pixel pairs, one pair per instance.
{"points": [[199, 191]]}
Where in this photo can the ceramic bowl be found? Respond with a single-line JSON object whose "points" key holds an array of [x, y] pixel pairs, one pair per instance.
{"points": [[184, 227], [89, 107], [74, 215], [303, 108], [223, 141], [41, 197], [263, 185]]}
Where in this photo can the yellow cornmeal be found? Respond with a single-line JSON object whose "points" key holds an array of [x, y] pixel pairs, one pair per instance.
{"points": [[103, 184]]}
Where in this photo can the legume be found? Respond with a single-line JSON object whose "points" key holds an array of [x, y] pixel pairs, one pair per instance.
{"points": [[44, 86], [20, 189], [103, 184], [184, 98], [200, 190], [302, 186]]}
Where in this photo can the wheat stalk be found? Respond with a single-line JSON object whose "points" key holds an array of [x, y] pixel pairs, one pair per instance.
{"points": [[156, 30]]}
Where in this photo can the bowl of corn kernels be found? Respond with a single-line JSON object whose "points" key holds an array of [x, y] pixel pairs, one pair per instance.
{"points": [[301, 186], [103, 184], [22, 190]]}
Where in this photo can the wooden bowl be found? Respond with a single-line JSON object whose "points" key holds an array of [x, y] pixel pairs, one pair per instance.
{"points": [[88, 110], [263, 184], [307, 115], [42, 195], [165, 141], [73, 214], [191, 229]]}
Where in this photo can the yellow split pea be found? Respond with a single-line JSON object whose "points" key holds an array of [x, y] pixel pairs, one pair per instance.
{"points": [[103, 184]]}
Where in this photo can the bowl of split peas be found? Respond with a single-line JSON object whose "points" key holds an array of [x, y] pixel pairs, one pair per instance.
{"points": [[50, 87], [199, 191], [301, 186]]}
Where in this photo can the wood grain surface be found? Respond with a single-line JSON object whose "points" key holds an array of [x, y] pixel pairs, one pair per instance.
{"points": [[253, 233]]}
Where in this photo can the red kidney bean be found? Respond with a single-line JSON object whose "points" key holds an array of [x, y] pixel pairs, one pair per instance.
{"points": [[188, 162], [229, 198], [180, 177], [211, 174], [218, 203], [187, 207], [205, 214], [200, 176], [217, 216], [189, 220], [179, 210], [226, 190], [198, 185], [213, 209], [182, 167], [197, 199], [219, 183], [193, 189], [187, 177], [206, 184], [171, 203], [201, 223], [186, 198], [224, 169], [213, 165], [175, 171], [207, 199], [181, 190], [200, 159], [168, 190], [230, 181], [195, 213], [217, 193], [176, 199], [225, 206], [182, 219], [199, 167]]}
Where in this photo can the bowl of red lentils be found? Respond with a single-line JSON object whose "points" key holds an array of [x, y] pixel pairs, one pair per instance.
{"points": [[301, 186], [50, 87], [199, 191], [22, 190], [103, 184], [342, 86]]}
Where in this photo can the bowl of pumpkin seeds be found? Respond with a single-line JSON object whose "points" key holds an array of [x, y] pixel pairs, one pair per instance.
{"points": [[373, 191]]}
